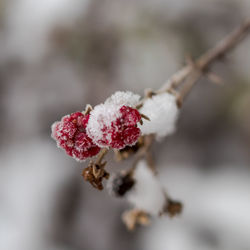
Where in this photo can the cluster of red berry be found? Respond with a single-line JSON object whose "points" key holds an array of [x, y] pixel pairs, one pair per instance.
{"points": [[72, 136]]}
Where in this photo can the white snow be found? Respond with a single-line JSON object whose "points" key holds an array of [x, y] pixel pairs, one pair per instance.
{"points": [[147, 194], [101, 118], [163, 113], [121, 98]]}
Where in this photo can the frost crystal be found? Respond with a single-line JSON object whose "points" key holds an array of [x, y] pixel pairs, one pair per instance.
{"points": [[163, 113], [121, 98], [147, 193], [113, 126]]}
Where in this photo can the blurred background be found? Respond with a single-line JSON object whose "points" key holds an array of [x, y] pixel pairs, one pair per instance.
{"points": [[58, 55]]}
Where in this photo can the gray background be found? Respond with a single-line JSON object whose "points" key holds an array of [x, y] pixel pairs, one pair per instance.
{"points": [[58, 55]]}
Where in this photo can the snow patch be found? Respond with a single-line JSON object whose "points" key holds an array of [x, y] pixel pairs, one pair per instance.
{"points": [[121, 98], [163, 113], [147, 193]]}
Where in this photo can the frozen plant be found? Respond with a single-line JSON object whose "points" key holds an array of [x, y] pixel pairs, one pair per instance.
{"points": [[129, 125], [112, 124]]}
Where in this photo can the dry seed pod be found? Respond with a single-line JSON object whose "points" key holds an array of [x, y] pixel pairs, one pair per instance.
{"points": [[121, 183], [94, 174]]}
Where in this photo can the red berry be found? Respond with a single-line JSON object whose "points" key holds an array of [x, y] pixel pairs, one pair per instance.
{"points": [[114, 127], [130, 116], [124, 130], [70, 134], [131, 135]]}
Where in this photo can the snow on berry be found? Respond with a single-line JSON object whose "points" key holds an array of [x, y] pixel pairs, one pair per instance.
{"points": [[112, 125], [70, 135], [162, 112], [126, 98], [147, 193]]}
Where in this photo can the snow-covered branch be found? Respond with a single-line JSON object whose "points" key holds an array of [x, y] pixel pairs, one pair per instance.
{"points": [[129, 125]]}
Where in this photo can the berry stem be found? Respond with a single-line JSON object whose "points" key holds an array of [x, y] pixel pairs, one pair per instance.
{"points": [[101, 155], [146, 153]]}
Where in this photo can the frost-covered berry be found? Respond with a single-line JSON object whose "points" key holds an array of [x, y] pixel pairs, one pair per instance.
{"points": [[114, 126], [163, 112], [70, 135]]}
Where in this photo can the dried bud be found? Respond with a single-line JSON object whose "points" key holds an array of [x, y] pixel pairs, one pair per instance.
{"points": [[121, 184], [135, 217], [172, 208], [94, 174]]}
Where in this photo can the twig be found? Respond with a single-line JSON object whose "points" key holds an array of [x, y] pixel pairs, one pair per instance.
{"points": [[95, 172], [101, 155], [199, 67], [145, 153]]}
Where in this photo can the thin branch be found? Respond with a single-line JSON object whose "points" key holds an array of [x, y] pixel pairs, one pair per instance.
{"points": [[199, 67], [101, 155], [145, 153], [225, 46]]}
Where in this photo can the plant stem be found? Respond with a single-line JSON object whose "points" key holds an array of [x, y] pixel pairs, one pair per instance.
{"points": [[101, 155], [193, 71]]}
